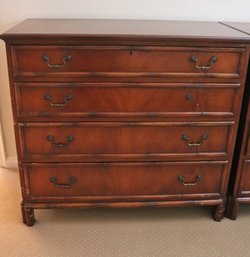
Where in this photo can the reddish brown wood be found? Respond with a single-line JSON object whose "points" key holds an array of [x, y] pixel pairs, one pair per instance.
{"points": [[219, 212], [119, 140], [177, 203], [245, 179], [239, 190], [134, 94], [141, 30], [29, 216], [122, 181], [124, 61], [240, 183], [127, 100]]}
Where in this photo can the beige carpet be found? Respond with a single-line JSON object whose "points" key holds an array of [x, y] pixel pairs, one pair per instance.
{"points": [[147, 232]]}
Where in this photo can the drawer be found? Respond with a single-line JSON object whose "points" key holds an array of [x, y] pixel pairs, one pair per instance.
{"points": [[245, 179], [104, 140], [124, 181], [125, 61], [41, 100], [247, 131]]}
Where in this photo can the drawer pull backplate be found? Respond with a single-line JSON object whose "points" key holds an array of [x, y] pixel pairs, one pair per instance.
{"points": [[69, 139], [46, 59], [71, 181], [192, 183], [191, 144], [49, 98], [193, 59]]}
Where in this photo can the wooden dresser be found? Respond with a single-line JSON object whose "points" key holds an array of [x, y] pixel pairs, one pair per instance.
{"points": [[239, 188], [125, 113]]}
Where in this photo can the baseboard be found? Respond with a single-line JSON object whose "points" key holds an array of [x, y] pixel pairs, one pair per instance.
{"points": [[11, 162]]}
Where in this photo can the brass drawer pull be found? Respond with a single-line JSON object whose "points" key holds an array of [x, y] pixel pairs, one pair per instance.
{"points": [[192, 183], [187, 139], [46, 58], [49, 98], [71, 180], [60, 145], [194, 60]]}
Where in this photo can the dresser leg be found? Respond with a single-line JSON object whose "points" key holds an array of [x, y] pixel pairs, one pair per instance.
{"points": [[28, 216], [23, 213], [232, 214], [219, 212]]}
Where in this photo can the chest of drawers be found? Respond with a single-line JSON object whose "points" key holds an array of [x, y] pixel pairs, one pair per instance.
{"points": [[125, 113], [239, 187]]}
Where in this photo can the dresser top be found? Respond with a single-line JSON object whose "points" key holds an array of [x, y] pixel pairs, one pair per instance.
{"points": [[147, 29], [240, 26]]}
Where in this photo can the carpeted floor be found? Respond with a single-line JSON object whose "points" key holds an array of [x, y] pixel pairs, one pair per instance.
{"points": [[147, 232]]}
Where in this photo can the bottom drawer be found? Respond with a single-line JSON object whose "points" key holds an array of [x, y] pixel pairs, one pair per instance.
{"points": [[124, 181], [245, 179]]}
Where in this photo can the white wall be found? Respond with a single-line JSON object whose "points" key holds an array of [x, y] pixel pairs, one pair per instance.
{"points": [[14, 11]]}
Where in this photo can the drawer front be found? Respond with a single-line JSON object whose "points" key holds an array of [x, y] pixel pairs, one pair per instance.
{"points": [[126, 140], [98, 61], [124, 181], [247, 131], [124, 100], [245, 179]]}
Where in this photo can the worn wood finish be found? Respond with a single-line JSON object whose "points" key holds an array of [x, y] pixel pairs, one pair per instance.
{"points": [[125, 113], [124, 61], [126, 100], [89, 140], [239, 190], [146, 31], [125, 181]]}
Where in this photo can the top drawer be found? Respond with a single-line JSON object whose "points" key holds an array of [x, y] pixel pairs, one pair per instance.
{"points": [[126, 62]]}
